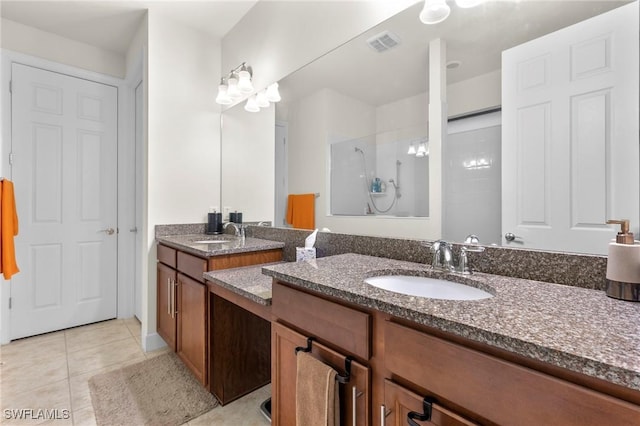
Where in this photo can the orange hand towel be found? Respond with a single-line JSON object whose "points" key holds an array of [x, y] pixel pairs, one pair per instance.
{"points": [[8, 230], [301, 211]]}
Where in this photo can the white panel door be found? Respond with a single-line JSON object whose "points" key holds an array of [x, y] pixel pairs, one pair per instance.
{"points": [[64, 144], [570, 141]]}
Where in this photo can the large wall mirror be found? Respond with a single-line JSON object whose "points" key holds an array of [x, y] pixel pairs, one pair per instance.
{"points": [[355, 123]]}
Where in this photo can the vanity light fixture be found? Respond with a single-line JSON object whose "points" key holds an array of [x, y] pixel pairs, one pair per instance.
{"points": [[223, 97], [412, 149], [251, 105], [235, 85], [436, 11], [423, 150]]}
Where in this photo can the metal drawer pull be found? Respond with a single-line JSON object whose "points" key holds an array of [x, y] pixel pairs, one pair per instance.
{"points": [[383, 414], [354, 396], [168, 296], [427, 405]]}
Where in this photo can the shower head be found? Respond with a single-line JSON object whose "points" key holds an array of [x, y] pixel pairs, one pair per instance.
{"points": [[359, 150]]}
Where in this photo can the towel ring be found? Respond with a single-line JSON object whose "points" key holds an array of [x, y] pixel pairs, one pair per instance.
{"points": [[347, 362]]}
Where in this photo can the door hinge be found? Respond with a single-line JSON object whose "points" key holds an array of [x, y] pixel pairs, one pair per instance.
{"points": [[10, 303], [11, 158]]}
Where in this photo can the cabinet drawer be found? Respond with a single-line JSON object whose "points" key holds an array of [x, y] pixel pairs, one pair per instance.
{"points": [[237, 260], [344, 327], [400, 401], [191, 265], [494, 389], [167, 255]]}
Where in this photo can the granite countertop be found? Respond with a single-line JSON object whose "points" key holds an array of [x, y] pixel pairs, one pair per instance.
{"points": [[247, 281], [217, 245], [579, 329]]}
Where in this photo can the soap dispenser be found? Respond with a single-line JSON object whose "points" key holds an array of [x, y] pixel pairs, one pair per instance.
{"points": [[623, 265]]}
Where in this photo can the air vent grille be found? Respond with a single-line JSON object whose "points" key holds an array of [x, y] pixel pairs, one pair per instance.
{"points": [[383, 41]]}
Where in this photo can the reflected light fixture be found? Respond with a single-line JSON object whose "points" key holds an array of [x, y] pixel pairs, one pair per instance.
{"points": [[423, 150], [251, 105], [261, 99], [273, 95], [412, 149], [232, 87], [436, 11]]}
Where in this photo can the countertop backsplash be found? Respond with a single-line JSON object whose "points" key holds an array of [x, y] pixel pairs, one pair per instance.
{"points": [[578, 270]]}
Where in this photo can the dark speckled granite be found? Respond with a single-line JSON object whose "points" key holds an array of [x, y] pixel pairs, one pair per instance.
{"points": [[587, 271], [575, 328], [219, 245], [248, 281]]}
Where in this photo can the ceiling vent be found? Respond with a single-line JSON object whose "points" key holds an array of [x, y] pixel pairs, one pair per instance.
{"points": [[383, 41]]}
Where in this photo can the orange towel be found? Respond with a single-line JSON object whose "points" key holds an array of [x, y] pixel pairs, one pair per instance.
{"points": [[8, 230], [301, 211]]}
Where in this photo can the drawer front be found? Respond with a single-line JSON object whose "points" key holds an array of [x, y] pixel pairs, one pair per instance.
{"points": [[237, 260], [167, 255], [494, 389], [191, 265], [400, 401], [347, 328]]}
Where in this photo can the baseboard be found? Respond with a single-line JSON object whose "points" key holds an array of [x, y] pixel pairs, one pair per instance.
{"points": [[152, 342]]}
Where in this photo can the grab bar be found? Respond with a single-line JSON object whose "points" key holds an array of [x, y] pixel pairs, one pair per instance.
{"points": [[347, 362]]}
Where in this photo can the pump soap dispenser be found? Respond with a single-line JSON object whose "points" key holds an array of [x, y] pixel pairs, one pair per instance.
{"points": [[623, 265]]}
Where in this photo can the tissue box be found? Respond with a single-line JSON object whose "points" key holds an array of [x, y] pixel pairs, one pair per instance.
{"points": [[303, 254]]}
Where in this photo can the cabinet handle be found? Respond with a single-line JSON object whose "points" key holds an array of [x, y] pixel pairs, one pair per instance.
{"points": [[427, 405], [173, 299], [168, 295], [383, 414], [354, 396]]}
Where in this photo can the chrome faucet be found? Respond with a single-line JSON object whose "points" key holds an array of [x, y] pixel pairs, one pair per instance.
{"points": [[443, 257], [237, 228]]}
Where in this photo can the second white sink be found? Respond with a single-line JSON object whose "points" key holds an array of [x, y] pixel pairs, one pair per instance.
{"points": [[432, 288]]}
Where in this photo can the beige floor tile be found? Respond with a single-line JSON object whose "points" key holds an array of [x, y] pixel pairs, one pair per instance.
{"points": [[54, 396], [244, 411], [102, 356], [84, 417], [22, 375], [37, 347], [84, 338]]}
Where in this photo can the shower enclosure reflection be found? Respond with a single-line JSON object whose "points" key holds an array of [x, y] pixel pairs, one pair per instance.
{"points": [[379, 174]]}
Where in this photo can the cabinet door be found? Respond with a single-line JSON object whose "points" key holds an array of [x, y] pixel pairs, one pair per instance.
{"points": [[354, 395], [400, 401], [192, 326], [166, 317]]}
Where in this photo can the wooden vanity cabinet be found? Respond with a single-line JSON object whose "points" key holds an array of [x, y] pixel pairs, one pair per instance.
{"points": [[327, 322], [183, 301]]}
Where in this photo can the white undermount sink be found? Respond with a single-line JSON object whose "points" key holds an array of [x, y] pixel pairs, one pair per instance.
{"points": [[432, 288]]}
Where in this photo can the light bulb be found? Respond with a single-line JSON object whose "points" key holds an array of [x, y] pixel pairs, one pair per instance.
{"points": [[223, 98], [251, 105], [422, 150], [261, 99], [412, 150], [244, 81], [273, 95], [232, 90], [434, 11]]}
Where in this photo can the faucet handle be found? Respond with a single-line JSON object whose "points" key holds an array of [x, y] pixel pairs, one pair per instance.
{"points": [[463, 264], [474, 249]]}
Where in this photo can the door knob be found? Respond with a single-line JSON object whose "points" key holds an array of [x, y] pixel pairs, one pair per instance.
{"points": [[511, 237], [108, 231]]}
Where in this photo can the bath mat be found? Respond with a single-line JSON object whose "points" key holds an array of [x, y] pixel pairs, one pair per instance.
{"points": [[158, 391]]}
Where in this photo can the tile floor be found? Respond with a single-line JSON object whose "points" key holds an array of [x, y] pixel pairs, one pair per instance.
{"points": [[51, 371]]}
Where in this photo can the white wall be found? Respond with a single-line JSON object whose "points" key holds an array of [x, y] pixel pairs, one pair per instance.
{"points": [[183, 138], [42, 44], [249, 162], [475, 94]]}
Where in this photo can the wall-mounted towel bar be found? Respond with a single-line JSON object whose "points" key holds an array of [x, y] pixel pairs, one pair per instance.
{"points": [[347, 362]]}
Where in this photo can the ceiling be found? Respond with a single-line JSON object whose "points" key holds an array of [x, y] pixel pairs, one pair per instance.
{"points": [[111, 25], [476, 37]]}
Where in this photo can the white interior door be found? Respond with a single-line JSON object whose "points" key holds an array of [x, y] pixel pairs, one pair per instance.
{"points": [[64, 145], [570, 145]]}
